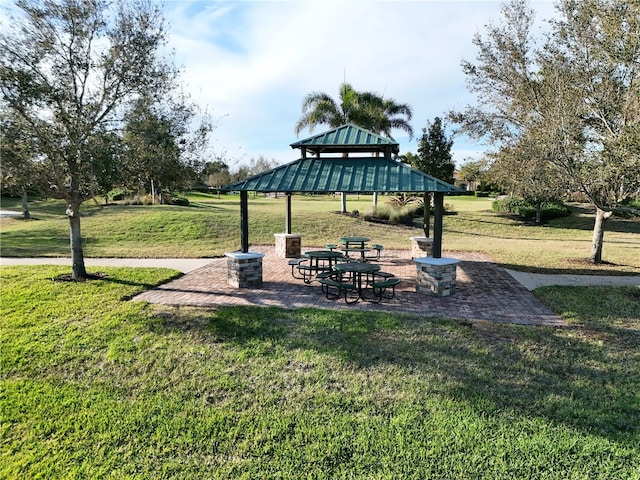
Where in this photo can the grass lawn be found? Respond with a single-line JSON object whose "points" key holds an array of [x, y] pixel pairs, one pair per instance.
{"points": [[211, 226], [95, 386]]}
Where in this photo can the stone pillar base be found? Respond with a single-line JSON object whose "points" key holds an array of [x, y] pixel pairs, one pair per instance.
{"points": [[244, 270], [288, 245], [421, 247], [436, 276]]}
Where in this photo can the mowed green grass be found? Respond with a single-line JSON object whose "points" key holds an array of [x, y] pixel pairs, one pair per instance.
{"points": [[95, 386], [210, 226]]}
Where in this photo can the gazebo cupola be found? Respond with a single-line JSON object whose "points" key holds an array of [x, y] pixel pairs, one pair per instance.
{"points": [[345, 140]]}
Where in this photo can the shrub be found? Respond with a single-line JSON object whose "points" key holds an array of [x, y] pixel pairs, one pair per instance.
{"points": [[418, 210], [395, 216], [508, 205], [522, 208], [135, 200], [402, 200], [183, 202], [399, 215], [377, 213], [402, 216], [554, 209]]}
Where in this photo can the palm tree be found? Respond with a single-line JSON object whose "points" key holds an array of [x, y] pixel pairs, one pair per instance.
{"points": [[364, 109]]}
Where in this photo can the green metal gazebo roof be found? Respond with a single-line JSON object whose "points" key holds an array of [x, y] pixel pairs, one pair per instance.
{"points": [[347, 138], [374, 173], [343, 174]]}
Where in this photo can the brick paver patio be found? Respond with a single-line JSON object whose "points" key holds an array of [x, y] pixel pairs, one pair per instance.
{"points": [[484, 290]]}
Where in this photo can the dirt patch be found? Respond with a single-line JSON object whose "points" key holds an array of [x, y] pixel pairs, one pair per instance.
{"points": [[68, 277]]}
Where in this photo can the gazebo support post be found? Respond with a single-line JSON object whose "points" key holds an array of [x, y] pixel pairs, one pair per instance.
{"points": [[287, 218], [244, 221], [288, 245], [426, 201], [435, 275], [244, 269], [438, 212]]}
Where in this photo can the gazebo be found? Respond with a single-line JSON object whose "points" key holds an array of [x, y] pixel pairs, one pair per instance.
{"points": [[346, 159]]}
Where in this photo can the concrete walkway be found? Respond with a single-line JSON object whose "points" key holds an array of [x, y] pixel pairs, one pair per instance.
{"points": [[183, 265], [534, 280], [530, 281], [10, 213]]}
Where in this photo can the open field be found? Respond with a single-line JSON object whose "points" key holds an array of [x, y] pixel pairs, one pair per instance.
{"points": [[210, 227], [95, 386]]}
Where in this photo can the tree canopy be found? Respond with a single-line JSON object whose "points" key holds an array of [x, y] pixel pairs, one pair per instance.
{"points": [[434, 152], [364, 109]]}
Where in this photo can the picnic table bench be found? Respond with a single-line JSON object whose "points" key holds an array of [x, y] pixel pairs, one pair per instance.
{"points": [[314, 263], [341, 288], [359, 245], [335, 284]]}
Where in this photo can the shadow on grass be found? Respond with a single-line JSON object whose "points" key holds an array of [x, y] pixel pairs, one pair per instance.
{"points": [[583, 218], [564, 375], [27, 243], [141, 286]]}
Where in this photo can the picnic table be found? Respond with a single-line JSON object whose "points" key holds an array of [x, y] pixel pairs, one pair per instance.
{"points": [[357, 271], [319, 261], [355, 245]]}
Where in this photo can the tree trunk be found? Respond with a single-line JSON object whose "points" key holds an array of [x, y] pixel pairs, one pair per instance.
{"points": [[343, 206], [375, 199], [77, 256], [25, 205], [598, 235], [538, 213]]}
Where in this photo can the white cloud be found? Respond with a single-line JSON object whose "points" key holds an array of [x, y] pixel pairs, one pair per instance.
{"points": [[255, 61]]}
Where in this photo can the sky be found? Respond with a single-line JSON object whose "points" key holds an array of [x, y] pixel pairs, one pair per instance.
{"points": [[251, 63]]}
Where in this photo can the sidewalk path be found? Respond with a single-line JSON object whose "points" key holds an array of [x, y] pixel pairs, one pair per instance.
{"points": [[534, 280], [530, 281], [10, 213], [183, 265]]}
